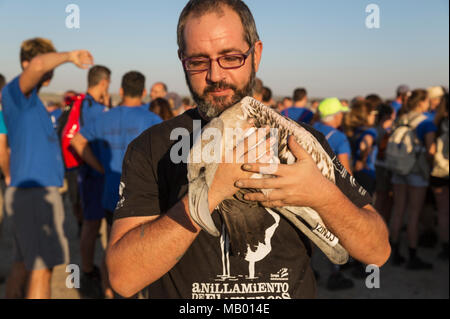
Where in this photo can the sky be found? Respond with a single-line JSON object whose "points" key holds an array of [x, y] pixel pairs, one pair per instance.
{"points": [[322, 45]]}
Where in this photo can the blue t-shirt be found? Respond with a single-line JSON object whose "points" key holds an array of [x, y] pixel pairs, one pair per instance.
{"points": [[3, 129], [359, 135], [90, 111], [36, 159], [54, 116], [337, 140], [396, 106], [430, 115], [116, 129], [146, 106], [424, 128], [298, 114]]}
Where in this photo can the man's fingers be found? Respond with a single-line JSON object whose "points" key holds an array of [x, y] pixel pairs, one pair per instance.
{"points": [[273, 198], [260, 183], [264, 168], [297, 150]]}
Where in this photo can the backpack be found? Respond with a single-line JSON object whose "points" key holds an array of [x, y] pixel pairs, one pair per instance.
{"points": [[68, 126], [404, 148], [440, 162]]}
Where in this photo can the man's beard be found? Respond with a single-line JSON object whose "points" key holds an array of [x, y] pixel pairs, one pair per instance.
{"points": [[210, 110]]}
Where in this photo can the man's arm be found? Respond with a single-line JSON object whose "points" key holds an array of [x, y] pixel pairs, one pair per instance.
{"points": [[42, 64], [4, 158], [143, 249], [81, 146], [361, 231]]}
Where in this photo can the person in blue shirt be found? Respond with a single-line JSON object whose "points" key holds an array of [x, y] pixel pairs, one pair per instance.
{"points": [[331, 113], [410, 190], [299, 112], [116, 129], [37, 171], [362, 135], [91, 183]]}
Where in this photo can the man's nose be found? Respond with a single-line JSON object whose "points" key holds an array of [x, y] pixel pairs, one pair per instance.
{"points": [[215, 73]]}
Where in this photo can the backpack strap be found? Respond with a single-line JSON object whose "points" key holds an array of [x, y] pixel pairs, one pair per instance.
{"points": [[416, 120]]}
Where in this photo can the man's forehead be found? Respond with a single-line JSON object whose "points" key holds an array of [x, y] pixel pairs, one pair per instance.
{"points": [[214, 32]]}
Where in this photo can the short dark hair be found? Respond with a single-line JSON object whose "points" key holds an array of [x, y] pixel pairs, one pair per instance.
{"points": [[33, 47], [384, 111], [299, 94], [133, 84], [200, 7], [266, 94], [98, 73], [2, 81]]}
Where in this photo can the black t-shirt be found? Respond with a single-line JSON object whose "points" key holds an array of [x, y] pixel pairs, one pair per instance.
{"points": [[278, 268]]}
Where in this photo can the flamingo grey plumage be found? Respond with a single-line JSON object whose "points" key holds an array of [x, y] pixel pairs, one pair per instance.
{"points": [[239, 215]]}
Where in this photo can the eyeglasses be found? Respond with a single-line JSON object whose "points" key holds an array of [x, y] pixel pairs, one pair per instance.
{"points": [[227, 62]]}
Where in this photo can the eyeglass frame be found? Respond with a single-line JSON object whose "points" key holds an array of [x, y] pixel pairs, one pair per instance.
{"points": [[244, 55]]}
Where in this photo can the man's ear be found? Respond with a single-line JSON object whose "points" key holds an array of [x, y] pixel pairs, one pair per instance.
{"points": [[121, 93], [258, 53], [144, 94], [25, 64], [105, 84]]}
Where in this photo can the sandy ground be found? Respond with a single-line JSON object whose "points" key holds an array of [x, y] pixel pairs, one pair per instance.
{"points": [[395, 282]]}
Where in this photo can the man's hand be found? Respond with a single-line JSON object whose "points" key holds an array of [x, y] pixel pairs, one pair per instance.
{"points": [[248, 151], [360, 230], [105, 99], [299, 184], [81, 58]]}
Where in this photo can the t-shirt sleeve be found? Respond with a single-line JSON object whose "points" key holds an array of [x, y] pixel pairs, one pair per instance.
{"points": [[138, 192], [3, 129], [13, 98], [89, 130], [424, 128], [343, 146]]}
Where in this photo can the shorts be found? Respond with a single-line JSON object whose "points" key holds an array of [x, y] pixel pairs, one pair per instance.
{"points": [[415, 180], [383, 179], [91, 191], [37, 217], [72, 185], [438, 182]]}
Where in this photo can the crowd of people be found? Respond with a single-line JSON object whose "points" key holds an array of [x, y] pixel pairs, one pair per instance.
{"points": [[359, 135], [34, 160]]}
